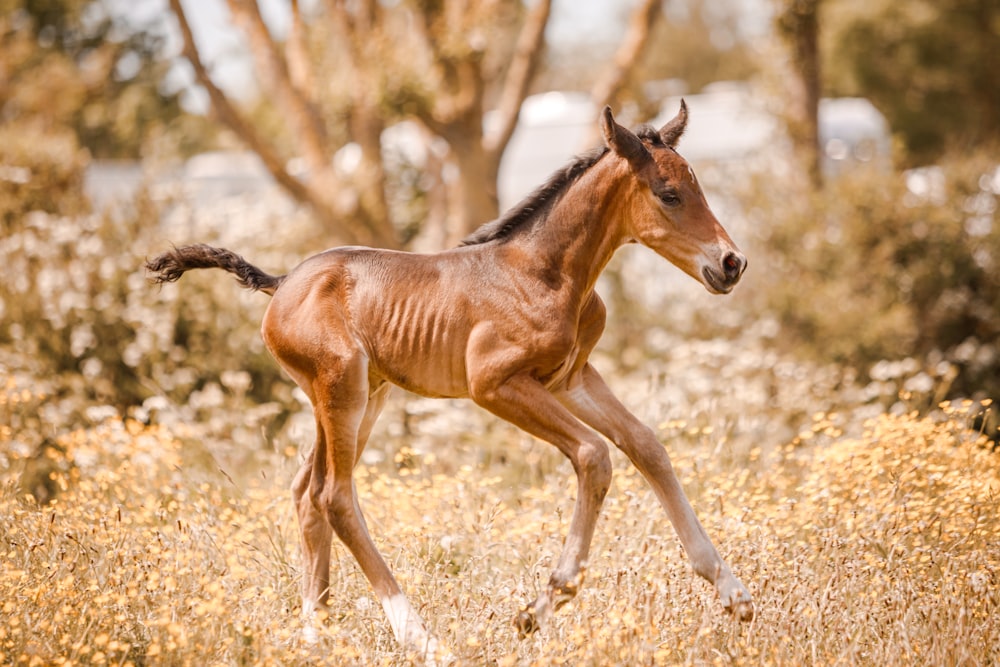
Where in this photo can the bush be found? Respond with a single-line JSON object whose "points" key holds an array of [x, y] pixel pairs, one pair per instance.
{"points": [[41, 169], [888, 266], [77, 311]]}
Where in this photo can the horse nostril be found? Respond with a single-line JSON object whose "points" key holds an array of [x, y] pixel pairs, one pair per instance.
{"points": [[733, 265]]}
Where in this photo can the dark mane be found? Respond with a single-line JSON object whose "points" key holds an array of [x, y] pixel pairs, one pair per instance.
{"points": [[650, 134], [537, 203]]}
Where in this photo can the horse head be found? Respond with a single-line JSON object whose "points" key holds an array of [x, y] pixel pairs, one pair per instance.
{"points": [[666, 209]]}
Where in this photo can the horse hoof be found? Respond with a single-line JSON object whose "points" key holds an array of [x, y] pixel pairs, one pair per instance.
{"points": [[735, 598], [526, 622], [436, 654], [742, 610]]}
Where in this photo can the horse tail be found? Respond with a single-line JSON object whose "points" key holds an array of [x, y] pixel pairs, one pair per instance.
{"points": [[171, 265]]}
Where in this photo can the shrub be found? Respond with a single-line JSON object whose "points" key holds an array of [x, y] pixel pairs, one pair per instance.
{"points": [[884, 266], [77, 310], [41, 169]]}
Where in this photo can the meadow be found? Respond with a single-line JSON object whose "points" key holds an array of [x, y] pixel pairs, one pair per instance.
{"points": [[830, 420], [857, 502], [868, 535]]}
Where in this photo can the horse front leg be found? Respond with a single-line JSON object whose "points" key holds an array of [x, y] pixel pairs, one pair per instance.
{"points": [[524, 402], [593, 403]]}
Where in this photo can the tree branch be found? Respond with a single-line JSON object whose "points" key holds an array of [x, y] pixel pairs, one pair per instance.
{"points": [[359, 26], [228, 114], [297, 54], [340, 215], [527, 56], [455, 66], [310, 132], [607, 87]]}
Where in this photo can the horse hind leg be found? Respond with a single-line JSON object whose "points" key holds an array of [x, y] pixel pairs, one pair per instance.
{"points": [[315, 539], [345, 411], [315, 531], [315, 536]]}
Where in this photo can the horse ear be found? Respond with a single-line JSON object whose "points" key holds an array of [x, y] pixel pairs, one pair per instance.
{"points": [[672, 131], [623, 142]]}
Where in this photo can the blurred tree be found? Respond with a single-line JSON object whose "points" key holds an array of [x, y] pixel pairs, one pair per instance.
{"points": [[935, 73], [798, 25], [441, 62], [698, 43], [701, 43], [876, 267], [73, 64], [429, 60], [614, 84], [608, 86]]}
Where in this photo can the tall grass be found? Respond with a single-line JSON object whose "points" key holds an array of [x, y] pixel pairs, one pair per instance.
{"points": [[876, 549], [159, 532]]}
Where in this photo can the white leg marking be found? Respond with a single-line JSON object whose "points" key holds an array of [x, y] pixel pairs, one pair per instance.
{"points": [[411, 632], [406, 623], [309, 632]]}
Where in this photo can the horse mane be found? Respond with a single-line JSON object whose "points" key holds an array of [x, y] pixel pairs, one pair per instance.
{"points": [[651, 134], [538, 203]]}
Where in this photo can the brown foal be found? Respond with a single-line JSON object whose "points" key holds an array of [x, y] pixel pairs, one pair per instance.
{"points": [[507, 319]]}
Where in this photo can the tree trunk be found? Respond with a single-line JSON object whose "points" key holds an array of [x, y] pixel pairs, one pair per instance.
{"points": [[369, 179], [614, 78], [798, 23], [475, 190]]}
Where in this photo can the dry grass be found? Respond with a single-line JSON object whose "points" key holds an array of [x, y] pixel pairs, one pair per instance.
{"points": [[880, 549]]}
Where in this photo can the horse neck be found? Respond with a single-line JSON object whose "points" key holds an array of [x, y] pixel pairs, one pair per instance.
{"points": [[584, 228]]}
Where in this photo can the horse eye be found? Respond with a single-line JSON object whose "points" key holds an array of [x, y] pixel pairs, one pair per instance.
{"points": [[669, 198]]}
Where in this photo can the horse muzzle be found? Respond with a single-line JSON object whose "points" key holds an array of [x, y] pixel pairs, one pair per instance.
{"points": [[723, 279]]}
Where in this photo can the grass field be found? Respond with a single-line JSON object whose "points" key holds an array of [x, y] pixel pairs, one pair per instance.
{"points": [[879, 546]]}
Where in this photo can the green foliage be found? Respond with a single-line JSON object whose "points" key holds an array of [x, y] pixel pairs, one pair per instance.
{"points": [[871, 270], [72, 64], [77, 315], [935, 73]]}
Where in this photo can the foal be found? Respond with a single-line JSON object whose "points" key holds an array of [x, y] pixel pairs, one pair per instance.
{"points": [[508, 319]]}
